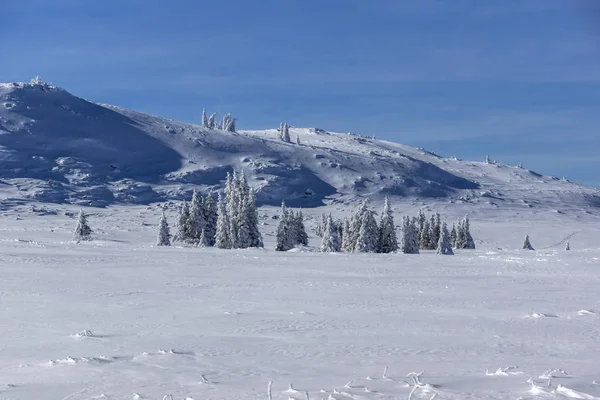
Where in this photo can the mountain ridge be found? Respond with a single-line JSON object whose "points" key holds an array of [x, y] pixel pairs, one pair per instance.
{"points": [[59, 148]]}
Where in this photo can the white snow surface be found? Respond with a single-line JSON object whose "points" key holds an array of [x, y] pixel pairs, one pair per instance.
{"points": [[118, 318], [58, 148]]}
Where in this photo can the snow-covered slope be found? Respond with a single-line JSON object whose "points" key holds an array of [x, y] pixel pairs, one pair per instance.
{"points": [[56, 147]]}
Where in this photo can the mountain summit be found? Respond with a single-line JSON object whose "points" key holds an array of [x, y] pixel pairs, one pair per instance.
{"points": [[56, 147]]}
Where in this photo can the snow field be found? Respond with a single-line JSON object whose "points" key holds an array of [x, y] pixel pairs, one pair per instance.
{"points": [[118, 318]]}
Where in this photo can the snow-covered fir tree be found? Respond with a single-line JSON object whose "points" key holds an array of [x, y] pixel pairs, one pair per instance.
{"points": [[356, 224], [568, 246], [527, 244], [443, 245], [409, 242], [197, 220], [421, 218], [464, 240], [331, 242], [320, 228], [204, 118], [425, 240], [388, 242], [368, 234], [164, 233], [183, 224], [436, 226], [297, 139], [210, 215], [226, 121], [222, 238], [285, 234], [487, 159], [231, 125], [211, 121], [468, 239], [453, 236], [251, 215], [203, 241], [285, 134], [82, 230], [347, 244], [300, 236]]}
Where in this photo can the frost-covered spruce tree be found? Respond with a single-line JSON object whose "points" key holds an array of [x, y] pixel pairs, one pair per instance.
{"points": [[469, 243], [409, 243], [568, 246], [232, 198], [421, 218], [320, 228], [210, 214], [347, 244], [82, 229], [203, 242], [425, 239], [285, 234], [356, 223], [331, 242], [222, 239], [285, 135], [297, 139], [443, 246], [226, 121], [388, 242], [251, 215], [231, 125], [527, 244], [211, 121], [183, 224], [197, 219], [204, 118], [436, 228], [368, 235], [164, 234], [299, 229], [453, 236]]}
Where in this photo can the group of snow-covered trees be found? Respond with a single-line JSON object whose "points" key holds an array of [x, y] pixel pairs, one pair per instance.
{"points": [[362, 233], [229, 221], [227, 124], [284, 133], [431, 230], [290, 230]]}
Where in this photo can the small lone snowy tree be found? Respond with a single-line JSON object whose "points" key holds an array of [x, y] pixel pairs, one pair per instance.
{"points": [[527, 244], [297, 139], [388, 242], [331, 239], [568, 246], [284, 134], [204, 118], [164, 234], [487, 159], [443, 246], [82, 229]]}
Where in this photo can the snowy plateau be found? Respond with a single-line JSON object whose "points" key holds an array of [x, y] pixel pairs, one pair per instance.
{"points": [[120, 318]]}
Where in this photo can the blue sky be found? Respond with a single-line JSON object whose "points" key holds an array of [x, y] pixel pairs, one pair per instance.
{"points": [[518, 79]]}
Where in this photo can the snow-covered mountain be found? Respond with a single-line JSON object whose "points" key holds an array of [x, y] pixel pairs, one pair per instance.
{"points": [[56, 147]]}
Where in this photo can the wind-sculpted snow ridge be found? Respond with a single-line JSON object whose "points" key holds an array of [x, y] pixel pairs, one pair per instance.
{"points": [[58, 148]]}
